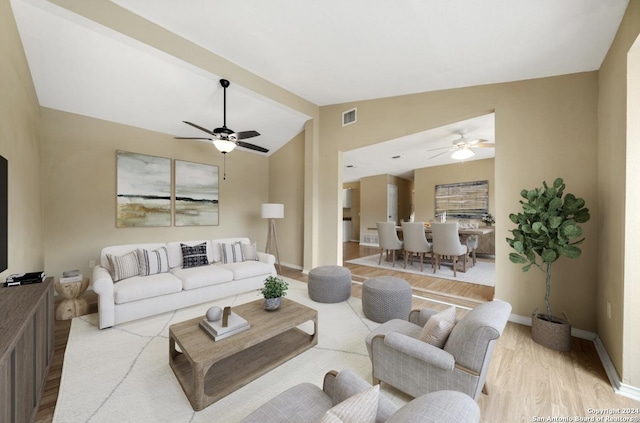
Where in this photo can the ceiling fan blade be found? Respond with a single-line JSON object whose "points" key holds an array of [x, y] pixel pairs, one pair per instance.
{"points": [[484, 145], [439, 148], [439, 154], [246, 134], [193, 138], [199, 127], [251, 146]]}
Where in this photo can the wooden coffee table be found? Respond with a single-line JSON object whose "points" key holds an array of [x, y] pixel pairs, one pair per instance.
{"points": [[208, 370]]}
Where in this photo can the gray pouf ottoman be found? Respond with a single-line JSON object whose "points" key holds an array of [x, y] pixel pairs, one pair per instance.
{"points": [[329, 284], [385, 298]]}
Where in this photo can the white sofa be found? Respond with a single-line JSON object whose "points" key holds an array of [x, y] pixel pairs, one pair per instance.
{"points": [[142, 296]]}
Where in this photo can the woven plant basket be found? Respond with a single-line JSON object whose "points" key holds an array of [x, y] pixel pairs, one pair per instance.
{"points": [[554, 333]]}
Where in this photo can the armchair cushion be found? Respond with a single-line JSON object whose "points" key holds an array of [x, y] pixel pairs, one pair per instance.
{"points": [[420, 350], [440, 407], [360, 408], [438, 327]]}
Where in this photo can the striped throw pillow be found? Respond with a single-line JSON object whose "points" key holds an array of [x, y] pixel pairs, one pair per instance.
{"points": [[123, 267], [231, 253], [153, 261], [194, 256], [439, 327], [360, 408]]}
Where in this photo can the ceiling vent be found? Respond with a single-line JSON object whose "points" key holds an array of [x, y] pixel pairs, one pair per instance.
{"points": [[349, 117]]}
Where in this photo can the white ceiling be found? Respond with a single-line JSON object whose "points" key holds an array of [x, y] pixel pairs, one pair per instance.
{"points": [[418, 150], [327, 52]]}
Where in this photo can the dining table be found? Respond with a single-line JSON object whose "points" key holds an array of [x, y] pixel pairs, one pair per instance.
{"points": [[463, 231]]}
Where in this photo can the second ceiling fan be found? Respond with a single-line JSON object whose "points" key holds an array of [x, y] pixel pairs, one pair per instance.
{"points": [[225, 139], [462, 147]]}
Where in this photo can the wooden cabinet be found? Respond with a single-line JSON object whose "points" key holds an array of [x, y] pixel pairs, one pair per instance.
{"points": [[26, 348]]}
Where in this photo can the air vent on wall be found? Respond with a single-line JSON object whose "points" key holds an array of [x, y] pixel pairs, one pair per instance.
{"points": [[349, 117]]}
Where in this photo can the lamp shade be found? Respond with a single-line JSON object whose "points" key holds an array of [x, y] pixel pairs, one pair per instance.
{"points": [[272, 211], [462, 154], [224, 146]]}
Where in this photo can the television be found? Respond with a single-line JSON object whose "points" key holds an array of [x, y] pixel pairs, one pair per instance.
{"points": [[4, 225]]}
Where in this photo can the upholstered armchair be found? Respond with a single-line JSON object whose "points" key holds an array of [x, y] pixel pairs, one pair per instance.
{"points": [[308, 403], [400, 358]]}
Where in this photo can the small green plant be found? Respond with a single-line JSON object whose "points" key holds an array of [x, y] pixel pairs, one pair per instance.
{"points": [[547, 229], [274, 287]]}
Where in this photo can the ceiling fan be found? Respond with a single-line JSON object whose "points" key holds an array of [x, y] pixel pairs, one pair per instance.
{"points": [[462, 147], [225, 139]]}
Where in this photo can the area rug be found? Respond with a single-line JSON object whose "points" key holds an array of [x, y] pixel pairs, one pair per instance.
{"points": [[122, 374], [482, 273]]}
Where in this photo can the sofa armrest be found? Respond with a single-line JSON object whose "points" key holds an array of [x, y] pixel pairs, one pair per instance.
{"points": [[103, 286], [420, 350], [266, 258]]}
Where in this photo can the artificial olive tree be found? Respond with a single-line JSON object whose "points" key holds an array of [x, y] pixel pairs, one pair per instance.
{"points": [[547, 229]]}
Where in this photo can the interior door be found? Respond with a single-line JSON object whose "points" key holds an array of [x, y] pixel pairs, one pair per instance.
{"points": [[392, 203]]}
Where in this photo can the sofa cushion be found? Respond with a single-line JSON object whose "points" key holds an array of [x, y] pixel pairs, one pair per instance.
{"points": [[141, 287], [194, 256], [247, 269], [360, 408], [153, 261], [124, 266], [231, 252], [175, 251], [197, 277]]}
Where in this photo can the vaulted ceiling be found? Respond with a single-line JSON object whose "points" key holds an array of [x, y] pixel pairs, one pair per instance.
{"points": [[325, 52]]}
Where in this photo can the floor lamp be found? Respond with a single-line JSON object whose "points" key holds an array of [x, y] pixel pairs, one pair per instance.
{"points": [[272, 212]]}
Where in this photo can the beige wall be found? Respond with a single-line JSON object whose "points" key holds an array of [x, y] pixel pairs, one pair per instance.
{"points": [[286, 186], [618, 154], [19, 144], [545, 128], [427, 178], [354, 211], [373, 201], [79, 187]]}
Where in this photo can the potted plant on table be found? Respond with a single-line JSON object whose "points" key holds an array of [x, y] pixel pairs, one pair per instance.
{"points": [[273, 290], [548, 228], [488, 219]]}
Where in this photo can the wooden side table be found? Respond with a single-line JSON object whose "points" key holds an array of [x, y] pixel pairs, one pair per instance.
{"points": [[73, 304]]}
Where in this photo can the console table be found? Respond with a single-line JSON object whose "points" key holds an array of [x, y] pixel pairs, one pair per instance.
{"points": [[26, 348]]}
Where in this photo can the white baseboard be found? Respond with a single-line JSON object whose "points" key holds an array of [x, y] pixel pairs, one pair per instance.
{"points": [[614, 379], [292, 266]]}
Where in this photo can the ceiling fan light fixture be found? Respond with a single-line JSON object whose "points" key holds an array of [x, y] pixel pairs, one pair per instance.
{"points": [[463, 154], [224, 146]]}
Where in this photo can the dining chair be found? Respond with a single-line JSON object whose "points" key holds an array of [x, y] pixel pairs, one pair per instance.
{"points": [[446, 242], [388, 240], [415, 242], [472, 244]]}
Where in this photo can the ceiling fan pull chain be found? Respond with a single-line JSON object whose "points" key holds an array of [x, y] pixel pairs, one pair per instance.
{"points": [[224, 166]]}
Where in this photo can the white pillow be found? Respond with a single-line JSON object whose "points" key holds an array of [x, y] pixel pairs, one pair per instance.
{"points": [[231, 253], [439, 327], [249, 251], [123, 267], [153, 261], [360, 408]]}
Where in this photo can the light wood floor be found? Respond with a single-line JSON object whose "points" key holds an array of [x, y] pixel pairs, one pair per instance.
{"points": [[525, 380]]}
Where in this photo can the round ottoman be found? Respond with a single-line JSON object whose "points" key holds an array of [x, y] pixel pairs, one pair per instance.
{"points": [[329, 284], [385, 298]]}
